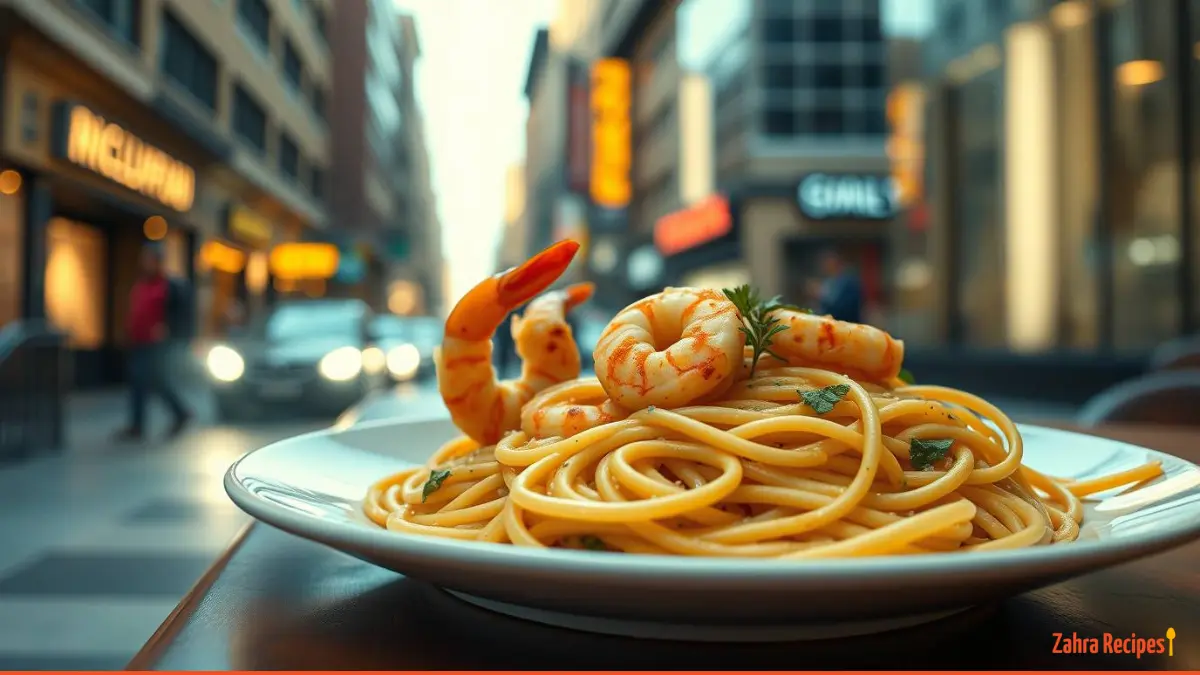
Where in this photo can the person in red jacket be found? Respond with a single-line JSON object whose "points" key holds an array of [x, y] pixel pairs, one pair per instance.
{"points": [[150, 342]]}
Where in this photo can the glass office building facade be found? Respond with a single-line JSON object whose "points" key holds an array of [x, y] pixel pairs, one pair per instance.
{"points": [[1063, 174]]}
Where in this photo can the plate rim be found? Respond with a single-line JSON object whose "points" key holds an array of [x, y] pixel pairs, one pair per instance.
{"points": [[862, 572]]}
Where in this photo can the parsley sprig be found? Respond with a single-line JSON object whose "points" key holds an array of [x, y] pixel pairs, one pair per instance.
{"points": [[925, 452], [757, 321], [436, 478], [824, 400]]}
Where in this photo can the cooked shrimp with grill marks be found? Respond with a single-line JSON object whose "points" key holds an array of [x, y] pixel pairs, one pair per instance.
{"points": [[670, 349], [482, 406], [569, 408], [851, 348]]}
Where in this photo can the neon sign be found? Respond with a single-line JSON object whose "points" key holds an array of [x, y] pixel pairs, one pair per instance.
{"points": [[706, 221], [107, 149]]}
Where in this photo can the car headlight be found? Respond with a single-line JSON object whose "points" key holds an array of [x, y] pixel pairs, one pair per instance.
{"points": [[224, 364], [403, 361], [374, 360], [339, 365]]}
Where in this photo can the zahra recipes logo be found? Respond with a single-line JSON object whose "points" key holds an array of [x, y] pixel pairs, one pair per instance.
{"points": [[1108, 643]]}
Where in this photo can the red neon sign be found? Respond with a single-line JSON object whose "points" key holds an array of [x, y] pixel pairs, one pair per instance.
{"points": [[708, 220]]}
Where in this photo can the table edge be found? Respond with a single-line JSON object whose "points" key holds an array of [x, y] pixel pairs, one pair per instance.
{"points": [[177, 619]]}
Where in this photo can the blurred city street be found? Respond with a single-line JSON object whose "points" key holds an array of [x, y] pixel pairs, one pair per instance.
{"points": [[100, 542]]}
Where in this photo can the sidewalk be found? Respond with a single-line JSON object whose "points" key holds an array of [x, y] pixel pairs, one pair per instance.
{"points": [[94, 416]]}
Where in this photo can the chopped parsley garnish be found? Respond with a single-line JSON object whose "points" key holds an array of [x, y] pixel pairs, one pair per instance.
{"points": [[907, 377], [757, 323], [824, 399], [436, 478], [593, 543], [924, 452]]}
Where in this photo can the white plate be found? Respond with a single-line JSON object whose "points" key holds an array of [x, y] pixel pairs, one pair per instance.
{"points": [[312, 485]]}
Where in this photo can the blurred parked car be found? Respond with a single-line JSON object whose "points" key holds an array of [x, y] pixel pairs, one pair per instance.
{"points": [[407, 343], [315, 354]]}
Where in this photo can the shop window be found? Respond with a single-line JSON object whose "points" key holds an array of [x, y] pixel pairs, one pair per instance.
{"points": [[122, 18], [289, 157], [254, 20], [249, 119], [187, 62], [293, 68], [1144, 181], [76, 282]]}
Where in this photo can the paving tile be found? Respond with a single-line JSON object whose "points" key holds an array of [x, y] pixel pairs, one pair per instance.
{"points": [[182, 512], [111, 627], [87, 574], [56, 662], [212, 538]]}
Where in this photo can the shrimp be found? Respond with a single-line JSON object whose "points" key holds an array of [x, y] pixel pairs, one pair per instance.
{"points": [[480, 405], [670, 349], [569, 408], [851, 348]]}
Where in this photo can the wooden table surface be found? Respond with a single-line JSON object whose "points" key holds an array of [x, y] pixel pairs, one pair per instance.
{"points": [[277, 602]]}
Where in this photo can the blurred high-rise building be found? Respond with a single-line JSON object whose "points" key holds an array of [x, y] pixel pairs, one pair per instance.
{"points": [[381, 191], [513, 249], [200, 124], [724, 143], [1062, 151]]}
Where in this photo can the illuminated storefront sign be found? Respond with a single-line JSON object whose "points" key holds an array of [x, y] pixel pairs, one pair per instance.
{"points": [[92, 142], [823, 196], [906, 145], [221, 257], [300, 261], [248, 227], [707, 221], [611, 136]]}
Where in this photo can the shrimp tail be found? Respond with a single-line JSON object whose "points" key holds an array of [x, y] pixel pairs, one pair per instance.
{"points": [[483, 309], [577, 294]]}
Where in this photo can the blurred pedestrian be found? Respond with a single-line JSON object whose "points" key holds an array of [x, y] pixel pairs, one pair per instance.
{"points": [[840, 293], [159, 319], [504, 346]]}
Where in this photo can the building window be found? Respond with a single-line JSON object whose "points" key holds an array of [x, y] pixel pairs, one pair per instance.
{"points": [[1144, 179], [1194, 161], [319, 23], [289, 157], [122, 18], [317, 185], [823, 69], [293, 70], [980, 297], [249, 119], [318, 102], [187, 62], [254, 18]]}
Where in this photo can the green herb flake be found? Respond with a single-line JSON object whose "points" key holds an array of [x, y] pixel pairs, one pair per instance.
{"points": [[436, 478], [650, 408], [823, 400], [907, 377], [924, 452], [758, 324], [593, 543]]}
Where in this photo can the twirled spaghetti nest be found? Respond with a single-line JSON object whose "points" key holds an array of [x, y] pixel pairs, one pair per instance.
{"points": [[792, 463]]}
